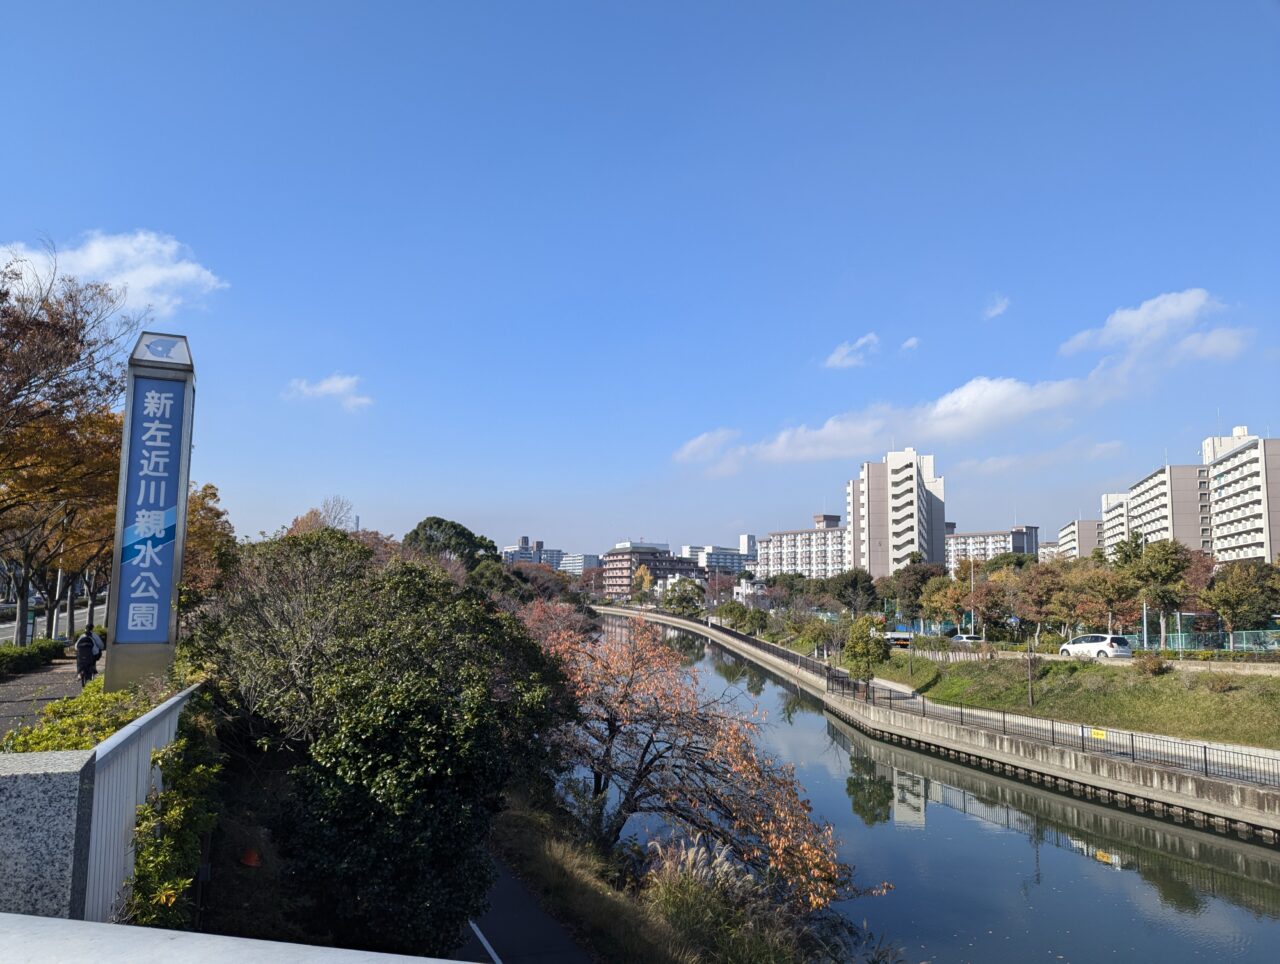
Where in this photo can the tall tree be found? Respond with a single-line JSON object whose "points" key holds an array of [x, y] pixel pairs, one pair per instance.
{"points": [[1160, 577], [1243, 594], [434, 536]]}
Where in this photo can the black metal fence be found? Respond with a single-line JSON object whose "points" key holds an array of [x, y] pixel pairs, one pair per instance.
{"points": [[1211, 761]]}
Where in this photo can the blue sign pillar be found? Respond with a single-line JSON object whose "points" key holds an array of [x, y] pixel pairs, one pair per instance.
{"points": [[151, 510]]}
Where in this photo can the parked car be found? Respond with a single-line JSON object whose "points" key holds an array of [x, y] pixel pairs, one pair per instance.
{"points": [[966, 639], [1097, 645]]}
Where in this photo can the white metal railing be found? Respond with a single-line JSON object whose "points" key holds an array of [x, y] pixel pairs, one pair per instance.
{"points": [[122, 778]]}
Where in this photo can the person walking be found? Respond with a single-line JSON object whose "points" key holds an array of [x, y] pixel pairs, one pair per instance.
{"points": [[86, 657]]}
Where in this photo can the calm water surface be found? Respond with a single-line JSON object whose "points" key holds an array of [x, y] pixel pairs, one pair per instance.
{"points": [[993, 870]]}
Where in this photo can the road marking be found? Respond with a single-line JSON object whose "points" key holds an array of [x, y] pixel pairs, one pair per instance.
{"points": [[487, 946]]}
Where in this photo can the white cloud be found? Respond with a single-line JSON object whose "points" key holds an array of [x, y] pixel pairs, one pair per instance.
{"points": [[910, 343], [1218, 344], [852, 354], [155, 270], [341, 387], [1152, 321], [1021, 464], [706, 446], [996, 307], [1145, 342]]}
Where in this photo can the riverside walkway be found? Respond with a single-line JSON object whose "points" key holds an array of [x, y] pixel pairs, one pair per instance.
{"points": [[1221, 783]]}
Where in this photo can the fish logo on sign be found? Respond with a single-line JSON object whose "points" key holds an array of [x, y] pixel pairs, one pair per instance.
{"points": [[161, 347]]}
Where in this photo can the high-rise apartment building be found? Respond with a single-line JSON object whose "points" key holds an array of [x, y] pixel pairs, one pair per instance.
{"points": [[981, 546], [816, 553], [1172, 503], [1115, 521], [895, 508], [1243, 473], [1078, 538]]}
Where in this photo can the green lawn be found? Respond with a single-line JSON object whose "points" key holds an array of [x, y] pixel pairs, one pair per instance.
{"points": [[1231, 708]]}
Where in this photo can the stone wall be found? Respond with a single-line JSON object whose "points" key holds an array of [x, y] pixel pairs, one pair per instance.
{"points": [[46, 800]]}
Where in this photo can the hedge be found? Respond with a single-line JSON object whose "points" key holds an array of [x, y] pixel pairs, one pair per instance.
{"points": [[79, 722], [23, 659]]}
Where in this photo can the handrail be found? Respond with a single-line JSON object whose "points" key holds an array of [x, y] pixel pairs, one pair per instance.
{"points": [[1239, 766]]}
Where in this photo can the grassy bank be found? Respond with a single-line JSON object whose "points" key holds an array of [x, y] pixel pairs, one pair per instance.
{"points": [[918, 673], [1226, 707], [570, 882]]}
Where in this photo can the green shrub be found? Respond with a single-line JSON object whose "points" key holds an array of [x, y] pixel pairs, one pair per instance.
{"points": [[1151, 662], [23, 659], [170, 825], [79, 722]]}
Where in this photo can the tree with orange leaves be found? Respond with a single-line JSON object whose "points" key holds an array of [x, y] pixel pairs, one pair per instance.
{"points": [[647, 740]]}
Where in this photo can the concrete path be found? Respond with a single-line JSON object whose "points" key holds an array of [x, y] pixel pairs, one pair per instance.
{"points": [[518, 930], [22, 697]]}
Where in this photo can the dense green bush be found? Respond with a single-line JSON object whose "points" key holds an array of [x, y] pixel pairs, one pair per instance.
{"points": [[23, 659], [407, 703], [79, 722]]}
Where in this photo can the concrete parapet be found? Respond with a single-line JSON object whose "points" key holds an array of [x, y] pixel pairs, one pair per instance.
{"points": [[47, 802]]}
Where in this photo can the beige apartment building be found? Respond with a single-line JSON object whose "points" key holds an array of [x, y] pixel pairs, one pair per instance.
{"points": [[1172, 503], [1078, 538], [895, 508]]}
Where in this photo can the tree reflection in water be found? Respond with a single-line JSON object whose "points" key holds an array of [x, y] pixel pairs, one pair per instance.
{"points": [[870, 794]]}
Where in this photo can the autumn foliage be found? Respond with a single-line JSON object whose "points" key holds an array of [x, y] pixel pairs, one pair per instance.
{"points": [[648, 740]]}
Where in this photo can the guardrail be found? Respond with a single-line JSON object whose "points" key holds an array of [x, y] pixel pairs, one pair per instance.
{"points": [[1211, 761], [123, 776]]}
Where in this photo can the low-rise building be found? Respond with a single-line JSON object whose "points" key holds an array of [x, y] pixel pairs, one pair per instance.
{"points": [[981, 546], [622, 561], [1048, 551], [1078, 538], [816, 553]]}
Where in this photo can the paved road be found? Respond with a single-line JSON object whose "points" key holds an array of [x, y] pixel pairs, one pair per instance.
{"points": [[22, 697], [8, 625], [518, 930]]}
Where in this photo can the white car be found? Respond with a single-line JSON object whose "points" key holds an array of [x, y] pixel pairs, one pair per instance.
{"points": [[967, 639], [1098, 645]]}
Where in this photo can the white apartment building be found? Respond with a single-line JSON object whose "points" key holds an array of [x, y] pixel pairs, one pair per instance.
{"points": [[1115, 521], [1172, 503], [895, 508], [816, 553], [1048, 551], [574, 562], [1244, 509], [1078, 538], [981, 546], [716, 558]]}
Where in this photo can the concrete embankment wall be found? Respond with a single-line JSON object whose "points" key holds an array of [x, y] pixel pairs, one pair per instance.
{"points": [[1183, 795]]}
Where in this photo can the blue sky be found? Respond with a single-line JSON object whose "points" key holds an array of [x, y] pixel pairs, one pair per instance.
{"points": [[590, 271]]}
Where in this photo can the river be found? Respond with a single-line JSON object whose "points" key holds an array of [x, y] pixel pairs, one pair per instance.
{"points": [[994, 870]]}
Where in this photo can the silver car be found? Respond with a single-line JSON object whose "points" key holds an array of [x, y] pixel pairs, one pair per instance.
{"points": [[1098, 645]]}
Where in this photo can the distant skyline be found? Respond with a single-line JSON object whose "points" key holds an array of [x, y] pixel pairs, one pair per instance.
{"points": [[589, 272]]}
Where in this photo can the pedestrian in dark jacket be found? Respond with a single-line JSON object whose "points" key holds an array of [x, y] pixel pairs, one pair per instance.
{"points": [[86, 657]]}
